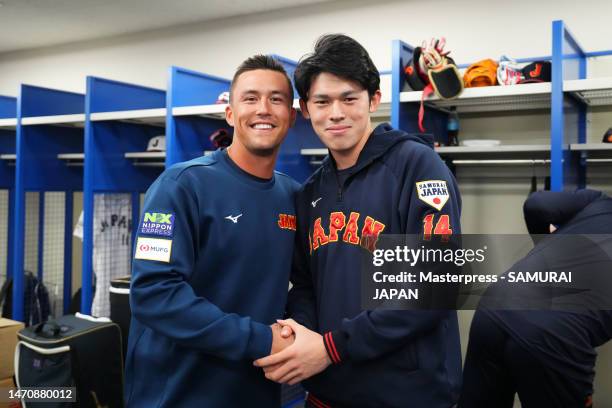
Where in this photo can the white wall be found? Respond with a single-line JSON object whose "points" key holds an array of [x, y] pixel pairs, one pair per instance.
{"points": [[474, 30]]}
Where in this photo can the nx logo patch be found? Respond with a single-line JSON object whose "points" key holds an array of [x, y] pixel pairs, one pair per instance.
{"points": [[433, 192], [154, 223]]}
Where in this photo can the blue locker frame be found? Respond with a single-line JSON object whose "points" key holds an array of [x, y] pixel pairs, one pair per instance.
{"points": [[568, 115], [106, 168], [8, 110], [187, 136], [571, 118], [38, 169]]}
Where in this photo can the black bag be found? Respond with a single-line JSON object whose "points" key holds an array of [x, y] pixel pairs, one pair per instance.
{"points": [[73, 351], [120, 311], [36, 304]]}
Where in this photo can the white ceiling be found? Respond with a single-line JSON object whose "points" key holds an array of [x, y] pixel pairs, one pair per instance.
{"points": [[28, 24]]}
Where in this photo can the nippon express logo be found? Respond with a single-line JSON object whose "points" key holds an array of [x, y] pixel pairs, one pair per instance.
{"points": [[152, 248], [154, 223]]}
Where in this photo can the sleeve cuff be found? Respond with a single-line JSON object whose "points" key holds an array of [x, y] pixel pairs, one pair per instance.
{"points": [[335, 344], [260, 341]]}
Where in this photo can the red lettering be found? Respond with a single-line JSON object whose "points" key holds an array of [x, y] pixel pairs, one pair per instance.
{"points": [[337, 221], [318, 235], [282, 220], [370, 232], [350, 233]]}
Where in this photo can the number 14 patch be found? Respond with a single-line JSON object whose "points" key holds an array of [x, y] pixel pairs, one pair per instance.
{"points": [[442, 228]]}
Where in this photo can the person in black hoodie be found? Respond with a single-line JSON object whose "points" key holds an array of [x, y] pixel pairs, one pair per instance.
{"points": [[547, 356], [374, 181]]}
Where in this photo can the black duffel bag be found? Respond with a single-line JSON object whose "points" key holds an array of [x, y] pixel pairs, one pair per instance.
{"points": [[73, 351]]}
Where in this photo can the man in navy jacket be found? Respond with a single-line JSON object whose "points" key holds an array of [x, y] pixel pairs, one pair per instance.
{"points": [[212, 261], [548, 356], [375, 180]]}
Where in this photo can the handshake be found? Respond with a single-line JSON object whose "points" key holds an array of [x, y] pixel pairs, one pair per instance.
{"points": [[297, 353]]}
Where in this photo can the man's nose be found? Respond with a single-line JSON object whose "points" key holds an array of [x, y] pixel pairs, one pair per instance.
{"points": [[337, 111], [263, 107]]}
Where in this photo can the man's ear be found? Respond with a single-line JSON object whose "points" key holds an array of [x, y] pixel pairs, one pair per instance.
{"points": [[304, 109], [375, 101], [293, 116], [229, 115]]}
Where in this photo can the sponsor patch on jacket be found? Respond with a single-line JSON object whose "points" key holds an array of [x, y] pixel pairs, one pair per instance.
{"points": [[153, 249], [433, 192], [154, 223]]}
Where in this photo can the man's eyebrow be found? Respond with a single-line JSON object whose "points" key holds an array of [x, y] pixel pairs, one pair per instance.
{"points": [[256, 92], [283, 93], [342, 95]]}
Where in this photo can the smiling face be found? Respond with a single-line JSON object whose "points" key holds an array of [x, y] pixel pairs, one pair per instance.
{"points": [[339, 111], [260, 111]]}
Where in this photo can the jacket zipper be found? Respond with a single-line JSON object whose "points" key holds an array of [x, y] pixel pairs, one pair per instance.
{"points": [[339, 195], [335, 171]]}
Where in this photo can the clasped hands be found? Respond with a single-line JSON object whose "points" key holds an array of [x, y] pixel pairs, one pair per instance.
{"points": [[297, 353]]}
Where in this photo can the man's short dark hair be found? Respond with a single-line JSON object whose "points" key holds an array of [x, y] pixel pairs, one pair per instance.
{"points": [[262, 62], [339, 55]]}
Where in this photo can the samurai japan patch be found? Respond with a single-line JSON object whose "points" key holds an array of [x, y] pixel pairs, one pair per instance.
{"points": [[433, 192]]}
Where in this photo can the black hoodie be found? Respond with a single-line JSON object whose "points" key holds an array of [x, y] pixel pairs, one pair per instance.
{"points": [[381, 358]]}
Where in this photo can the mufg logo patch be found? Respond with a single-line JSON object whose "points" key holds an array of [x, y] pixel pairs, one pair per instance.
{"points": [[153, 249], [154, 223]]}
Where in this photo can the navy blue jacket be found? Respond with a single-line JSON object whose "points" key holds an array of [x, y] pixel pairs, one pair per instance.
{"points": [[221, 243], [565, 340], [389, 358]]}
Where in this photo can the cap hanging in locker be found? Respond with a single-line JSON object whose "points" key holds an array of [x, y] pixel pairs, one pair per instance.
{"points": [[157, 144]]}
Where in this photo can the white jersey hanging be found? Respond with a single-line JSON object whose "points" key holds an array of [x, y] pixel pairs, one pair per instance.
{"points": [[111, 245]]}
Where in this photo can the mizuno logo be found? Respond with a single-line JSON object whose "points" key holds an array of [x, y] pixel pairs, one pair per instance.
{"points": [[314, 203], [233, 218]]}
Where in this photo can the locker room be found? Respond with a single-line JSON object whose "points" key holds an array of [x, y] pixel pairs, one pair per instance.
{"points": [[101, 105]]}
